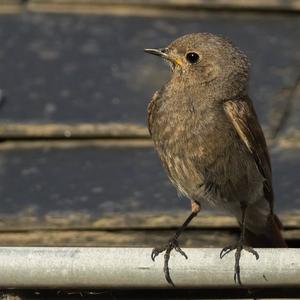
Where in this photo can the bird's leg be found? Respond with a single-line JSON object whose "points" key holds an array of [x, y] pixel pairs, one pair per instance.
{"points": [[173, 243], [239, 246]]}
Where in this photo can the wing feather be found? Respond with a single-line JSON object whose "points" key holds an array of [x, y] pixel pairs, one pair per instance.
{"points": [[243, 117]]}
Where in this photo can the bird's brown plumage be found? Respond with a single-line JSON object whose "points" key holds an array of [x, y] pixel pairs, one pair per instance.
{"points": [[243, 117], [207, 135]]}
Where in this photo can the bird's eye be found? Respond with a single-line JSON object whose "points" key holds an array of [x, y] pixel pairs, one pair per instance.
{"points": [[192, 57]]}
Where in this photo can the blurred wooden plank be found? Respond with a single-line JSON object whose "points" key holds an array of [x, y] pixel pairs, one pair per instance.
{"points": [[218, 4], [74, 131], [108, 238], [11, 6], [139, 238], [289, 135], [122, 134], [53, 143], [96, 180], [68, 68], [99, 179], [129, 221], [12, 2]]}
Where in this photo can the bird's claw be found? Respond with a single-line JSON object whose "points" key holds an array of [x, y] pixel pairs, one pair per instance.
{"points": [[226, 250], [179, 250], [172, 244], [155, 252], [239, 247]]}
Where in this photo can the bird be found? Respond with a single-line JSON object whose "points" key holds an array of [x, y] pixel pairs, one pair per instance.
{"points": [[207, 135]]}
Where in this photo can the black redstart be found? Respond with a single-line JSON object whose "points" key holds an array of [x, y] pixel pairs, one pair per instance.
{"points": [[207, 135]]}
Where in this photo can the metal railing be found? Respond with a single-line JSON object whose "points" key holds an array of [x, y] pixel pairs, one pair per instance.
{"points": [[69, 267]]}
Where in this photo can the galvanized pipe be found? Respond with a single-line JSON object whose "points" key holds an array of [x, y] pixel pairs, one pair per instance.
{"points": [[50, 267]]}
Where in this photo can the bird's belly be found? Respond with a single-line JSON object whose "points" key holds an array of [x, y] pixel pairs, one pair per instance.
{"points": [[224, 178], [208, 163], [183, 174]]}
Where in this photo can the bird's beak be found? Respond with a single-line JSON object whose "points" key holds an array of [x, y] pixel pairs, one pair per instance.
{"points": [[163, 52]]}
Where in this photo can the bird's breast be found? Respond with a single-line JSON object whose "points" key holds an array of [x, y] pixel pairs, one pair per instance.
{"points": [[187, 137], [189, 128], [201, 152]]}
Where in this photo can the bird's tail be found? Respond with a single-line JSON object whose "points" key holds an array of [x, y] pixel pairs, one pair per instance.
{"points": [[271, 237]]}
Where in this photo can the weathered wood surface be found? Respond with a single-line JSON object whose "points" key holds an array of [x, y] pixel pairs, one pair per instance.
{"points": [[114, 196], [53, 143], [109, 179], [142, 221], [131, 230], [85, 68], [77, 166], [92, 5], [199, 234], [290, 133], [92, 179], [72, 131], [10, 6], [120, 134], [203, 238], [200, 4]]}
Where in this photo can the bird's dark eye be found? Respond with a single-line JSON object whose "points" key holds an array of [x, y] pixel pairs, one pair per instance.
{"points": [[192, 57]]}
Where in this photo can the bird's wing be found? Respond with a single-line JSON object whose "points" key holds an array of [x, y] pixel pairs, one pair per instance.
{"points": [[243, 117], [150, 111]]}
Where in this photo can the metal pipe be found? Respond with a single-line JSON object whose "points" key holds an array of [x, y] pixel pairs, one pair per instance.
{"points": [[62, 267]]}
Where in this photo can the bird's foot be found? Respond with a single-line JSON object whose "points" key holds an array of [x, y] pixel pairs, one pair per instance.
{"points": [[172, 244], [239, 246]]}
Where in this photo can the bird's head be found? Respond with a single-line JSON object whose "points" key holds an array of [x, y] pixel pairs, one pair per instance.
{"points": [[206, 59]]}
